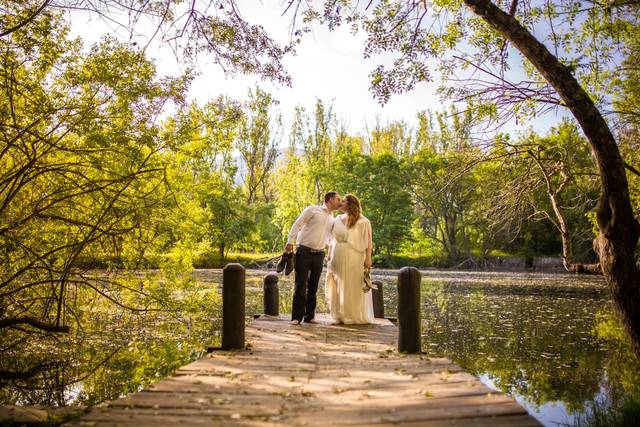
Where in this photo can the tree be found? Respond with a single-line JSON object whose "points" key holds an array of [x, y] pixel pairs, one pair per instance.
{"points": [[395, 138], [378, 182], [295, 191], [203, 175], [229, 222], [550, 179], [80, 170], [303, 175], [626, 104], [258, 146], [315, 140], [418, 33], [562, 161], [442, 184]]}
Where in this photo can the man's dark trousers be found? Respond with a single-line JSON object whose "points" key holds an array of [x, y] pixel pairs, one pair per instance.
{"points": [[308, 267]]}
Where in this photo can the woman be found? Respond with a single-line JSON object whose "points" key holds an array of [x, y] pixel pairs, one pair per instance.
{"points": [[349, 255]]}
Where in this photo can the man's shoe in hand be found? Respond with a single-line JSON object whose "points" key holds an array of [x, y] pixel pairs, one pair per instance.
{"points": [[291, 262], [283, 262]]}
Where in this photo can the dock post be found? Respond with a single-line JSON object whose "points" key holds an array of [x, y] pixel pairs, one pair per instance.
{"points": [[378, 300], [271, 295], [409, 331], [233, 295]]}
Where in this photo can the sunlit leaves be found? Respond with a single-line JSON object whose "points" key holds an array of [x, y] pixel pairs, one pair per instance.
{"points": [[80, 172], [238, 46], [443, 185], [378, 181]]}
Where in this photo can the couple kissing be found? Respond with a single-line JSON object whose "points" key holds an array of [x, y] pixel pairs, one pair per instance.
{"points": [[349, 239]]}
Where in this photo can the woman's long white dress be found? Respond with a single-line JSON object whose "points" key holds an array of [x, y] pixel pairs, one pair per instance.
{"points": [[347, 301]]}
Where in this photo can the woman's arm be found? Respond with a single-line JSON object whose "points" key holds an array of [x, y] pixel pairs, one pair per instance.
{"points": [[367, 261]]}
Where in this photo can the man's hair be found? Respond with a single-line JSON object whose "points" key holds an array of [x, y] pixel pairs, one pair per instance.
{"points": [[330, 195]]}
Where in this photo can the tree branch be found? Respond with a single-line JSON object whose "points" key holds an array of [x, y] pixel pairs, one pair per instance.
{"points": [[32, 321], [26, 21], [631, 168]]}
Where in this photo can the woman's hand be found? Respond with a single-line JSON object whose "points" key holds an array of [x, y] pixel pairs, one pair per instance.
{"points": [[367, 263]]}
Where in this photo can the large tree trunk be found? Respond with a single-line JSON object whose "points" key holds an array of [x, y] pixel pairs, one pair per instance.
{"points": [[619, 230]]}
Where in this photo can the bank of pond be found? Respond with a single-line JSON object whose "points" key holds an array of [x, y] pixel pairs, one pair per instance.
{"points": [[550, 340]]}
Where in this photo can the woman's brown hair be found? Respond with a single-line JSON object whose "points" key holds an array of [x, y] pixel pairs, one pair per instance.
{"points": [[353, 209]]}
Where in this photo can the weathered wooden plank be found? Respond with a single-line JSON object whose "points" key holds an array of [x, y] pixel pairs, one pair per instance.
{"points": [[301, 414], [495, 421], [315, 375], [32, 415]]}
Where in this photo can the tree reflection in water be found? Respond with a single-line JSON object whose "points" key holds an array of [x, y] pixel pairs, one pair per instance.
{"points": [[116, 351], [544, 338]]}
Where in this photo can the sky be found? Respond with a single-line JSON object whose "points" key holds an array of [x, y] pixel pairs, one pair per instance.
{"points": [[329, 65]]}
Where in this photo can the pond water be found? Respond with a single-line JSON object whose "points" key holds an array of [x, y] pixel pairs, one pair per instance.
{"points": [[549, 340]]}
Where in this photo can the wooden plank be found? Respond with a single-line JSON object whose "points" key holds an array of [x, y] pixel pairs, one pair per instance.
{"points": [[315, 375]]}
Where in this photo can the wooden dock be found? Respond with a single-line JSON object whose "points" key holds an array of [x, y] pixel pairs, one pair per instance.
{"points": [[315, 375]]}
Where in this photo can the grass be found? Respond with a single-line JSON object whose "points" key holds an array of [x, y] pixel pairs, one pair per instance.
{"points": [[408, 260], [249, 260], [211, 259], [626, 413]]}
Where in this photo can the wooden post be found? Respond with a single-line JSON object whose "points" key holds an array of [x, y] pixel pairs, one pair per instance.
{"points": [[409, 331], [378, 300], [233, 294], [271, 295]]}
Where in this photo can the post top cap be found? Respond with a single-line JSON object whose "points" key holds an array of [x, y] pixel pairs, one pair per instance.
{"points": [[233, 266]]}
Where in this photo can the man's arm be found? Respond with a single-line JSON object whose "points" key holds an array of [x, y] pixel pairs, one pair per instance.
{"points": [[304, 217]]}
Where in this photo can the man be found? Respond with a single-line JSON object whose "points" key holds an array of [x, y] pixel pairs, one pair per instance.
{"points": [[311, 232]]}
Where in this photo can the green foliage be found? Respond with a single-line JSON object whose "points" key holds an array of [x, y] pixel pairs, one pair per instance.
{"points": [[622, 408], [444, 187], [548, 179], [80, 165], [295, 191], [627, 106], [624, 414], [477, 64], [378, 182], [219, 30]]}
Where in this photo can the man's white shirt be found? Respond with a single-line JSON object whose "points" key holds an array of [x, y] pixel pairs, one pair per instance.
{"points": [[312, 228]]}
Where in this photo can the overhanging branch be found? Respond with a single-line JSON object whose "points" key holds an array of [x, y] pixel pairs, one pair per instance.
{"points": [[32, 321]]}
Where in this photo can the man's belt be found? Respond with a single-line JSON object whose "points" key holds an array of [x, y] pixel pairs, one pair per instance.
{"points": [[308, 249]]}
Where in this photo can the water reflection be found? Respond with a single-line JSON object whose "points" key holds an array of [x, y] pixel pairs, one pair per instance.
{"points": [[116, 352], [537, 337], [549, 340]]}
